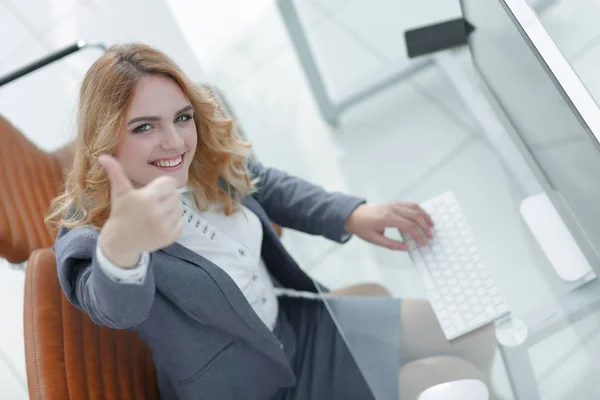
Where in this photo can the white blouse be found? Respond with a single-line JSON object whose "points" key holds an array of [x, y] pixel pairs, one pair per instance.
{"points": [[231, 242]]}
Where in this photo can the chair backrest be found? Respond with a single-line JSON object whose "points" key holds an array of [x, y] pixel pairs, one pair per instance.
{"points": [[29, 179], [68, 357]]}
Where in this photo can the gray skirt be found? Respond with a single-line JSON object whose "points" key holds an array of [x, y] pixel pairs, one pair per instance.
{"points": [[344, 347]]}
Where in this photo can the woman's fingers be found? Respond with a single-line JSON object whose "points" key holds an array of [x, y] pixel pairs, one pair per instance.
{"points": [[410, 222], [381, 240], [417, 208], [425, 215], [411, 227], [416, 215]]}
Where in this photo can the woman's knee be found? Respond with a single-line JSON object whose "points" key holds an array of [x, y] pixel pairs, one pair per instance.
{"points": [[363, 289], [417, 376]]}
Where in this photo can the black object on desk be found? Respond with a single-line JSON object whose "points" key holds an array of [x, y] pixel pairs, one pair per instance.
{"points": [[441, 36]]}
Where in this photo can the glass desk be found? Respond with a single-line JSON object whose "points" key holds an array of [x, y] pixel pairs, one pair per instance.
{"points": [[559, 357]]}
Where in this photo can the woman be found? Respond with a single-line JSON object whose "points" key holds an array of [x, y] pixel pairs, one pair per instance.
{"points": [[165, 230]]}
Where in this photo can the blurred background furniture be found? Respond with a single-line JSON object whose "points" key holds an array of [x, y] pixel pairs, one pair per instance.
{"points": [[330, 108]]}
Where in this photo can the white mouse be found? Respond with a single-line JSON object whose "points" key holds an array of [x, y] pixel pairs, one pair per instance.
{"points": [[465, 389]]}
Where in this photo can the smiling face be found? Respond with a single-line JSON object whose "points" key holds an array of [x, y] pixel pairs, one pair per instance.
{"points": [[159, 134]]}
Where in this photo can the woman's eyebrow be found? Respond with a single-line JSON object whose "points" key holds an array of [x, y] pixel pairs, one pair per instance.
{"points": [[155, 118]]}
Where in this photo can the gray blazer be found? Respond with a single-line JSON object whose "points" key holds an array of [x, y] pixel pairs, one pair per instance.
{"points": [[206, 340]]}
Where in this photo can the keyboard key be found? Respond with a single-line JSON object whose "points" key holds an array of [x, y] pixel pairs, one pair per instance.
{"points": [[446, 322], [478, 320], [498, 300], [501, 309], [477, 309], [459, 323], [490, 310]]}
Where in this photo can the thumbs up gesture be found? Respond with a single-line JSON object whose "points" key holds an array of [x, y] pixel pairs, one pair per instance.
{"points": [[144, 219]]}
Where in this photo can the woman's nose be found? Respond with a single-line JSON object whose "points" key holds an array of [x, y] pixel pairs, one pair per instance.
{"points": [[171, 139]]}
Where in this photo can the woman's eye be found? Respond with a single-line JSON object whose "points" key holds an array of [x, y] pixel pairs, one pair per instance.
{"points": [[142, 128], [183, 117]]}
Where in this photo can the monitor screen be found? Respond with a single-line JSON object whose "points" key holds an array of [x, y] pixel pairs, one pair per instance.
{"points": [[552, 117]]}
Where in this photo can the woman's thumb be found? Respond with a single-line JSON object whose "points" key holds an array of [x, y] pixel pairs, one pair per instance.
{"points": [[119, 182]]}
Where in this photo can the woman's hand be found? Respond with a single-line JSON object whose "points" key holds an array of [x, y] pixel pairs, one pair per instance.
{"points": [[140, 220], [369, 221]]}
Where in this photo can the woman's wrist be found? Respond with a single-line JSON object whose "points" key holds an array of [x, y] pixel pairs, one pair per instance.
{"points": [[116, 249]]}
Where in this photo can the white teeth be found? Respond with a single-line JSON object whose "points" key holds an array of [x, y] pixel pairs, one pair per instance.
{"points": [[168, 163]]}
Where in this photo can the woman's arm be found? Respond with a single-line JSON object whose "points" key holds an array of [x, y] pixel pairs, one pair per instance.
{"points": [[117, 301], [295, 203]]}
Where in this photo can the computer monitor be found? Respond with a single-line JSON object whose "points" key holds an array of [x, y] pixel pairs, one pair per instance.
{"points": [[551, 116]]}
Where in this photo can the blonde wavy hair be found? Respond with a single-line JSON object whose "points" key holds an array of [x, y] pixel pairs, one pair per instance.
{"points": [[218, 173]]}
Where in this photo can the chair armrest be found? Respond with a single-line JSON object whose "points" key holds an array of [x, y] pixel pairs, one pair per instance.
{"points": [[50, 58]]}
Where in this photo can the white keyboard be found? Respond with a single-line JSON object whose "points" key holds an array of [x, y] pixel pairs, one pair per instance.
{"points": [[459, 286]]}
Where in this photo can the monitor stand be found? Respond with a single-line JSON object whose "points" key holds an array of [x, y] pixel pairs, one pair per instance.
{"points": [[554, 238]]}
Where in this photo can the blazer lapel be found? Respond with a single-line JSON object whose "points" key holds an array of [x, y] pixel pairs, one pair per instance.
{"points": [[253, 205], [280, 264]]}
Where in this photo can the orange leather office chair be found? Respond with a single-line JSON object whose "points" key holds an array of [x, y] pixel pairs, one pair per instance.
{"points": [[67, 355], [29, 179], [70, 357]]}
